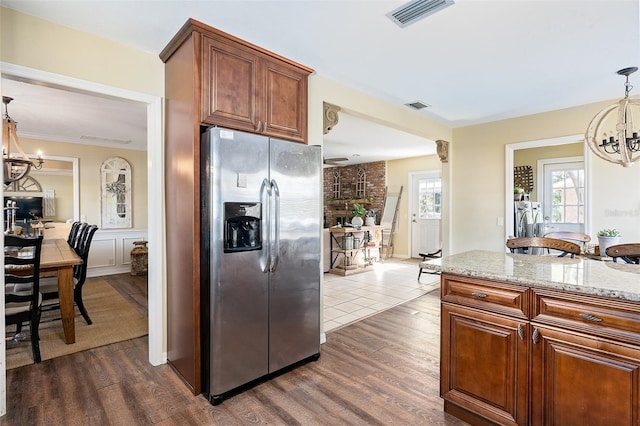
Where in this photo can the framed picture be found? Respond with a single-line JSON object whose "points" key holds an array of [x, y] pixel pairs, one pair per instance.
{"points": [[115, 184]]}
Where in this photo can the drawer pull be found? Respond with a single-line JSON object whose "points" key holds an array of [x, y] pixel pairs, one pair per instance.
{"points": [[535, 336], [479, 295], [590, 317], [520, 331]]}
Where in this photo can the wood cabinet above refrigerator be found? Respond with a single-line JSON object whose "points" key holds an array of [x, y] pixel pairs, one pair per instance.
{"points": [[213, 78], [245, 87]]}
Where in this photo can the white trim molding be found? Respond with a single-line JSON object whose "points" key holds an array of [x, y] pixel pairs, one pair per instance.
{"points": [[155, 205]]}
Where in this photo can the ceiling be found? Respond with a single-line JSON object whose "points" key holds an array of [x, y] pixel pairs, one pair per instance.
{"points": [[473, 62]]}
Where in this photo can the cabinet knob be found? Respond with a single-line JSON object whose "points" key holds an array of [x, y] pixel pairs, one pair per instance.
{"points": [[479, 295], [259, 127]]}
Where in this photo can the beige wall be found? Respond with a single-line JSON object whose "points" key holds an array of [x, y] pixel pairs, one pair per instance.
{"points": [[398, 175], [63, 187], [478, 178], [43, 45], [90, 160]]}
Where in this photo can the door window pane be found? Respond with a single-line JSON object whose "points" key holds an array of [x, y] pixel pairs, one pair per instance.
{"points": [[567, 196], [429, 196]]}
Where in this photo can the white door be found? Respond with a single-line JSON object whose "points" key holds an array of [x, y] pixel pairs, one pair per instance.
{"points": [[426, 199], [563, 197]]}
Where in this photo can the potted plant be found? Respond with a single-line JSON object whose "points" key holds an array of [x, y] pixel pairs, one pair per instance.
{"points": [[518, 193], [358, 211], [608, 238]]}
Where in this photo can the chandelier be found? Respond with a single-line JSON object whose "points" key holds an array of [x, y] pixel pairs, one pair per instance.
{"points": [[617, 141], [14, 168]]}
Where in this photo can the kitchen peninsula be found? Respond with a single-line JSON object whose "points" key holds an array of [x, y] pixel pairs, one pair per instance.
{"points": [[539, 339]]}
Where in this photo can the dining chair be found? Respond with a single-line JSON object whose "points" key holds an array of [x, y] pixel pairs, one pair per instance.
{"points": [[629, 252], [22, 268], [536, 245], [577, 237], [80, 233], [49, 285], [73, 232]]}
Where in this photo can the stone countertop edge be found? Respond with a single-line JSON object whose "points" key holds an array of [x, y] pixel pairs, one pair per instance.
{"points": [[581, 275]]}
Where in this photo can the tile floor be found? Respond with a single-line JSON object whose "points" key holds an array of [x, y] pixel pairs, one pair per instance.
{"points": [[387, 284]]}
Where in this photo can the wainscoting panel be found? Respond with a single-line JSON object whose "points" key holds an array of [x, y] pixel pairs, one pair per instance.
{"points": [[111, 251]]}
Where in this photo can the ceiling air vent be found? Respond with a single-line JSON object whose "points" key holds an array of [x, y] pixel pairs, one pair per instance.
{"points": [[417, 9], [105, 140], [418, 105]]}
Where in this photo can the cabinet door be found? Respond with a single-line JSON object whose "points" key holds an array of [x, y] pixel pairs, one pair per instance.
{"points": [[484, 364], [583, 381], [231, 77], [285, 101]]}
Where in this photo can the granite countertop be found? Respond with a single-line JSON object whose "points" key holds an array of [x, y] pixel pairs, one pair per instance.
{"points": [[584, 275]]}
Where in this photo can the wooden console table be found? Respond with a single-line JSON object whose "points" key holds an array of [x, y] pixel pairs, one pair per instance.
{"points": [[346, 260]]}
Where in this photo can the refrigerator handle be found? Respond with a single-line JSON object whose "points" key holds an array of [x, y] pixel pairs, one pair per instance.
{"points": [[276, 222], [265, 197]]}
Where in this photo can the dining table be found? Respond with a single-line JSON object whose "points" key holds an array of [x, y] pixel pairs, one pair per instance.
{"points": [[59, 257]]}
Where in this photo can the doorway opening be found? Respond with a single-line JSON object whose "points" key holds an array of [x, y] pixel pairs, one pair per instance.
{"points": [[549, 146], [155, 185]]}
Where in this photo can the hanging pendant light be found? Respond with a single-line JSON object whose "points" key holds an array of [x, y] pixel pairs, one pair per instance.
{"points": [[14, 168], [617, 141]]}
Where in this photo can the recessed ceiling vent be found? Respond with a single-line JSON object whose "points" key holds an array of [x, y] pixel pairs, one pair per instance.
{"points": [[415, 10], [418, 105], [105, 140]]}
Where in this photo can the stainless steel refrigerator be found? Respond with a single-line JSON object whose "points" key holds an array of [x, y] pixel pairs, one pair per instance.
{"points": [[261, 207]]}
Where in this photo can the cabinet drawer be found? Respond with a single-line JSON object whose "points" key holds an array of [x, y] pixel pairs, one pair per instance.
{"points": [[490, 296], [611, 318]]}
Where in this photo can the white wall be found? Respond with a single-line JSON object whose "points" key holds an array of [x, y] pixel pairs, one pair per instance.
{"points": [[111, 251]]}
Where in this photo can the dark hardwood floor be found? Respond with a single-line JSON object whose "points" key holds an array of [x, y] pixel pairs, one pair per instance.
{"points": [[132, 287], [383, 370]]}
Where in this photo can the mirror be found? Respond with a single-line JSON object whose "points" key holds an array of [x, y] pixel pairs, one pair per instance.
{"points": [[115, 182], [59, 177]]}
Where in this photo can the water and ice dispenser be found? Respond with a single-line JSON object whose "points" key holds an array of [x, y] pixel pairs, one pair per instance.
{"points": [[242, 227]]}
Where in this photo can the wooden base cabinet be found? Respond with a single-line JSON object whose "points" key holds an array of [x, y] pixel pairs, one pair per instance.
{"points": [[485, 364], [513, 355], [582, 380]]}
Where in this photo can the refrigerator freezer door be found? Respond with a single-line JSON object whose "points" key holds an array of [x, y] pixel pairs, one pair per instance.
{"points": [[295, 281], [238, 288]]}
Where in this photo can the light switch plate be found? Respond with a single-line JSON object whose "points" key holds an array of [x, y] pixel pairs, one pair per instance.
{"points": [[241, 180]]}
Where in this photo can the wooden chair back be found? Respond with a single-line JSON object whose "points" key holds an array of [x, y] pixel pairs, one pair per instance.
{"points": [[526, 245], [50, 288], [629, 252], [80, 271], [22, 268], [80, 232], [73, 232], [579, 237]]}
